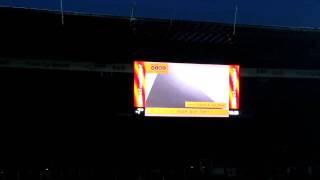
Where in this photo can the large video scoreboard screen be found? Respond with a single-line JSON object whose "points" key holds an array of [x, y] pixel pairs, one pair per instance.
{"points": [[186, 90]]}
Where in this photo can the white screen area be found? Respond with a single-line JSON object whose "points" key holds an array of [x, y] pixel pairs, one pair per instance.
{"points": [[212, 80]]}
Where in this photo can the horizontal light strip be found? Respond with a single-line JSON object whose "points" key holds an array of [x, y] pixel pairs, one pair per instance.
{"points": [[127, 68]]}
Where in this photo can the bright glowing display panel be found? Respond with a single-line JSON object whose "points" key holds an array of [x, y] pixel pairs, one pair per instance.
{"points": [[186, 90]]}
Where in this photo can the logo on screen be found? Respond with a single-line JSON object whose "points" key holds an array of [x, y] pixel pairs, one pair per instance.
{"points": [[158, 68]]}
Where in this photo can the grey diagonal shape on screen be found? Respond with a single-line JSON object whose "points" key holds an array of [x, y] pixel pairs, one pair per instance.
{"points": [[168, 91]]}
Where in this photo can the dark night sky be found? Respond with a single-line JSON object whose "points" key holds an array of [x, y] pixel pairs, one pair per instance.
{"points": [[297, 13]]}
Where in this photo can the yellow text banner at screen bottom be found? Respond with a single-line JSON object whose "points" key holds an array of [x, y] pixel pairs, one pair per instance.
{"points": [[187, 112], [213, 105]]}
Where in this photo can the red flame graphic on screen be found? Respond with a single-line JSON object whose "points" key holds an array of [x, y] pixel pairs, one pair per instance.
{"points": [[234, 92], [139, 84]]}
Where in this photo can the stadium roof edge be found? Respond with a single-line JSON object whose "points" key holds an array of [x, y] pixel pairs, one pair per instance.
{"points": [[99, 15]]}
